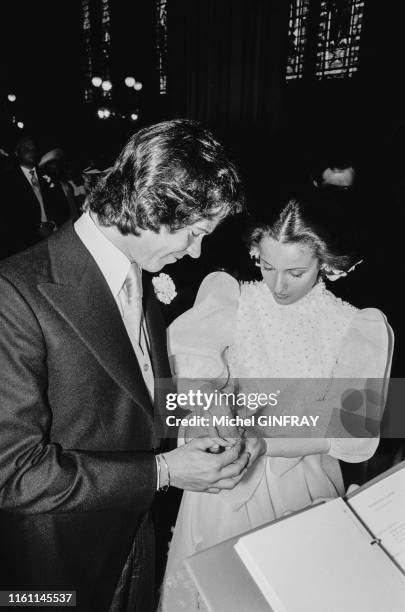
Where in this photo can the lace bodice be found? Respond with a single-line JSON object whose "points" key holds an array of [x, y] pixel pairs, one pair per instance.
{"points": [[242, 330], [300, 340]]}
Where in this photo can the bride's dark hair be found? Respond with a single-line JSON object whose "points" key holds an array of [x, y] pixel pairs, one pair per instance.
{"points": [[322, 220]]}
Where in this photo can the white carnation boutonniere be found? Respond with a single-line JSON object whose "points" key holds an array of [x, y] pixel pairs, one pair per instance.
{"points": [[164, 287], [48, 179]]}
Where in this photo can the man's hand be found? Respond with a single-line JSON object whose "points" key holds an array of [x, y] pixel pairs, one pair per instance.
{"points": [[194, 468]]}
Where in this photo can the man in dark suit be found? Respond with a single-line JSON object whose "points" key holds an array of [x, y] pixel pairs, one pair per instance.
{"points": [[30, 210], [53, 167], [84, 375]]}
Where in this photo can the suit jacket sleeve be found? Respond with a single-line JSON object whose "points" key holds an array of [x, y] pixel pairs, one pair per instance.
{"points": [[36, 474]]}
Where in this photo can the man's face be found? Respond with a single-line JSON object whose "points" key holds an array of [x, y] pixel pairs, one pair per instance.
{"points": [[343, 178], [27, 153], [152, 251]]}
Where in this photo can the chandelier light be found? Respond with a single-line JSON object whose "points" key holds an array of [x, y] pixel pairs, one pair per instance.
{"points": [[96, 81]]}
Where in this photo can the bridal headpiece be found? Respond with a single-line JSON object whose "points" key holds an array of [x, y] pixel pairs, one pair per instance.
{"points": [[254, 254], [334, 274]]}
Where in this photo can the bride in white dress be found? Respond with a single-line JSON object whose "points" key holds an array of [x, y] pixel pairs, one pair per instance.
{"points": [[286, 326]]}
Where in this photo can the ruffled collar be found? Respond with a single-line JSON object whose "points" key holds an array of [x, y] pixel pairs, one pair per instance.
{"points": [[313, 297], [295, 340]]}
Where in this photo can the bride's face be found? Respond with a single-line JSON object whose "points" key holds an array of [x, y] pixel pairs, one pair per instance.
{"points": [[289, 270]]}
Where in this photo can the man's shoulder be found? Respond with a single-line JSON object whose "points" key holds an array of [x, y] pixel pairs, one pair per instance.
{"points": [[61, 254], [27, 266], [15, 185], [12, 173]]}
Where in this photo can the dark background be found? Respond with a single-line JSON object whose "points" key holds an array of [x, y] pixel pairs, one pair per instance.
{"points": [[226, 66]]}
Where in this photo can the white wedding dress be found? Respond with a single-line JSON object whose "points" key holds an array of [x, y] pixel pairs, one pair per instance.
{"points": [[240, 332]]}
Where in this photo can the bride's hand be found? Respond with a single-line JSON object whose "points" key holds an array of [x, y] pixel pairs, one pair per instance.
{"points": [[255, 447], [206, 428]]}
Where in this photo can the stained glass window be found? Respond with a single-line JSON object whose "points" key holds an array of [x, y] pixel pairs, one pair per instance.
{"points": [[96, 44], [161, 44], [331, 48], [339, 38], [105, 45], [297, 38], [88, 64]]}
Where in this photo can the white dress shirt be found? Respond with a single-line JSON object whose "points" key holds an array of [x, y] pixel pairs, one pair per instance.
{"points": [[114, 266]]}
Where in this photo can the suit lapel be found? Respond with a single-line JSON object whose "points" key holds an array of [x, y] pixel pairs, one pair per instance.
{"points": [[156, 330], [82, 297], [158, 347], [43, 185], [28, 190]]}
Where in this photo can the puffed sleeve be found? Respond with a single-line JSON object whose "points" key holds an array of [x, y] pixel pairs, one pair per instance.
{"points": [[198, 341], [363, 367], [199, 338]]}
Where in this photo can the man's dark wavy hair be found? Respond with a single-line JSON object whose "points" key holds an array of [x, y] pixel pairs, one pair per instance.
{"points": [[173, 173]]}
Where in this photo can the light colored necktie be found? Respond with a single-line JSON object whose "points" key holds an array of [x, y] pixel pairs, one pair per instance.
{"points": [[133, 303], [37, 190], [34, 180], [134, 323]]}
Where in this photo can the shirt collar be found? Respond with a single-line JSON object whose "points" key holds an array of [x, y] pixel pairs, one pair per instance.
{"points": [[112, 262], [27, 171]]}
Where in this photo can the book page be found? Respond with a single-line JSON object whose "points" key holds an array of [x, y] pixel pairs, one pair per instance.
{"points": [[223, 581], [382, 508], [322, 559]]}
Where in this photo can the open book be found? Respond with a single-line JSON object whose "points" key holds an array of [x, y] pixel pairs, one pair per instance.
{"points": [[345, 555]]}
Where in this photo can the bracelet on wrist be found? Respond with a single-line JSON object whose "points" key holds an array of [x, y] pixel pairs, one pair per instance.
{"points": [[157, 472], [162, 458]]}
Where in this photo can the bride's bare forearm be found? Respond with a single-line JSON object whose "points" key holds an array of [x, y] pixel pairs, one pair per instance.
{"points": [[296, 447]]}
